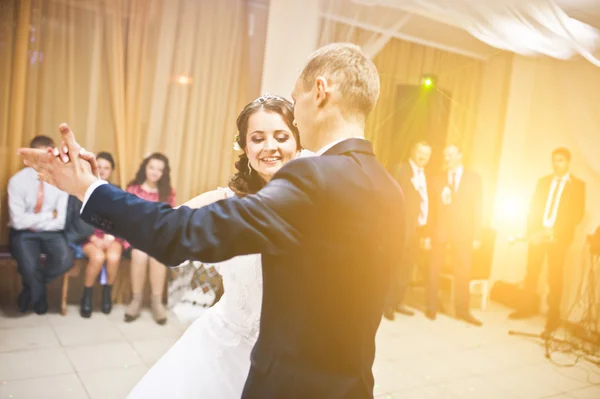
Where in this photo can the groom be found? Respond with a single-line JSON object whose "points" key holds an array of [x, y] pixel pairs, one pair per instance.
{"points": [[330, 229]]}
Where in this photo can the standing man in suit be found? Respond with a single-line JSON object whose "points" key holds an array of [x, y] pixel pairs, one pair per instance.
{"points": [[331, 223], [557, 207], [411, 177], [455, 225]]}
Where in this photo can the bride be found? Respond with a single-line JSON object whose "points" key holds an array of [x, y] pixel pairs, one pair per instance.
{"points": [[212, 358]]}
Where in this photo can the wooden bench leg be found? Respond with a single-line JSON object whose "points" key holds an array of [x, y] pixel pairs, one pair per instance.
{"points": [[484, 294], [63, 297]]}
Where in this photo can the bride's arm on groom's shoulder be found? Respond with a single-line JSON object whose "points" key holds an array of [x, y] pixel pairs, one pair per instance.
{"points": [[204, 199], [271, 222]]}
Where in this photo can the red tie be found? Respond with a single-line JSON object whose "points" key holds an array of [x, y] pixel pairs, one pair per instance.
{"points": [[40, 198]]}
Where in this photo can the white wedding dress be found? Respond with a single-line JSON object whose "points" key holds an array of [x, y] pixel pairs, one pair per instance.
{"points": [[212, 358]]}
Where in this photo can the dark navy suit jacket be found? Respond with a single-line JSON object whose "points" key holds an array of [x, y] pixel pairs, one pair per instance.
{"points": [[462, 220], [330, 229], [571, 208]]}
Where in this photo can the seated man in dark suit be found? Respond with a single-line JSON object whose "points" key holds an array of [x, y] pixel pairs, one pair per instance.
{"points": [[455, 225], [557, 207], [37, 219]]}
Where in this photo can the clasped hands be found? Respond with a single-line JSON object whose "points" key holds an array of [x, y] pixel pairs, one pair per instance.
{"points": [[70, 168]]}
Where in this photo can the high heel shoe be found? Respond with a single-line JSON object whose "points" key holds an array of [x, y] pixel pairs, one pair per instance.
{"points": [[86, 303], [106, 299], [133, 310], [159, 312]]}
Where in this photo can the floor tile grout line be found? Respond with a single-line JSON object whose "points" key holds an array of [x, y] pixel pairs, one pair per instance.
{"points": [[71, 362]]}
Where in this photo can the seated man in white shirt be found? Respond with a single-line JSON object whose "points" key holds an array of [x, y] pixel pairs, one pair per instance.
{"points": [[37, 219]]}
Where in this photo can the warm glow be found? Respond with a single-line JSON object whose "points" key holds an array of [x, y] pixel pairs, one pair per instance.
{"points": [[184, 80], [510, 214]]}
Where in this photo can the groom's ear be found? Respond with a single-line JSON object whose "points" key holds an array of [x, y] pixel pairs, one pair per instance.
{"points": [[322, 91]]}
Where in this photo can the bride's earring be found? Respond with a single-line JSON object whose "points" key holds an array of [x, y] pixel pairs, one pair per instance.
{"points": [[249, 168]]}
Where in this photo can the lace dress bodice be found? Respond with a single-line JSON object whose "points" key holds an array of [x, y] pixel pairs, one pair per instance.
{"points": [[239, 307], [212, 358]]}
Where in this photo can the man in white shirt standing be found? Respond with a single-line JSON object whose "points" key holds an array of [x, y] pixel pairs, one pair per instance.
{"points": [[38, 212], [411, 177], [455, 225], [557, 207]]}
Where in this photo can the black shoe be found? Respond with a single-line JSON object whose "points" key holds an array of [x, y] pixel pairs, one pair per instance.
{"points": [[520, 314], [41, 306], [469, 318], [86, 303], [388, 313], [431, 314], [404, 310], [106, 299], [24, 300]]}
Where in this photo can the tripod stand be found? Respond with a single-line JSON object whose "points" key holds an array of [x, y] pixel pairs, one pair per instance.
{"points": [[589, 318]]}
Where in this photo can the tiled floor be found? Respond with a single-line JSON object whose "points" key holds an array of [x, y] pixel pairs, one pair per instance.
{"points": [[102, 358]]}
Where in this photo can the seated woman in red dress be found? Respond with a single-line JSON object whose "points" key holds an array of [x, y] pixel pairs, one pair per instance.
{"points": [[101, 249], [152, 183]]}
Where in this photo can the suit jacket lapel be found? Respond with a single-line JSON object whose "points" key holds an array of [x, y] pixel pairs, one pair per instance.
{"points": [[351, 145]]}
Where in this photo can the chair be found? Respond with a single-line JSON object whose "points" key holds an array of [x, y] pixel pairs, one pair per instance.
{"points": [[481, 268]]}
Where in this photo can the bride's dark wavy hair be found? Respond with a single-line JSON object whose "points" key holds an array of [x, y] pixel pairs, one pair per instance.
{"points": [[246, 181]]}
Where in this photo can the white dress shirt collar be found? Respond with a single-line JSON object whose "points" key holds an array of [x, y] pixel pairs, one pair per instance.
{"points": [[458, 172], [417, 170]]}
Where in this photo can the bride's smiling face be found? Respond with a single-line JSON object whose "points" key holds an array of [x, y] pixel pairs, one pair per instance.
{"points": [[270, 143]]}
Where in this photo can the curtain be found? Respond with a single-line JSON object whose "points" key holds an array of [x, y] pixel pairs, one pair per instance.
{"points": [[401, 62], [552, 103], [533, 27], [523, 27], [130, 77]]}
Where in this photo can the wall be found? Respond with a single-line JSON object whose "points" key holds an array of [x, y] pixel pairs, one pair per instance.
{"points": [[550, 103]]}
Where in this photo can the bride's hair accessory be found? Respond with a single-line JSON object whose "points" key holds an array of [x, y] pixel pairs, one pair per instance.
{"points": [[236, 144], [266, 97]]}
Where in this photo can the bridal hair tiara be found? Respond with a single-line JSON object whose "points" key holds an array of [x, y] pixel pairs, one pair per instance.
{"points": [[266, 97], [260, 100]]}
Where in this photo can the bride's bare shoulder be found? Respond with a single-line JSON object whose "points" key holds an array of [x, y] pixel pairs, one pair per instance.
{"points": [[206, 198]]}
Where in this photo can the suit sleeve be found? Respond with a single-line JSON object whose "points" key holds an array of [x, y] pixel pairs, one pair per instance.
{"points": [[433, 196], [272, 221], [404, 176]]}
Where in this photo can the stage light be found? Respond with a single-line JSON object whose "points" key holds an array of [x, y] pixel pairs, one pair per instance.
{"points": [[427, 81]]}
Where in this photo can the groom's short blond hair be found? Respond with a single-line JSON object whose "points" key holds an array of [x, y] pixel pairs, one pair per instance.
{"points": [[354, 76]]}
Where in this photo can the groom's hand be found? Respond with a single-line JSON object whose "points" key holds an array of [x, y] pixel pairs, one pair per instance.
{"points": [[70, 169]]}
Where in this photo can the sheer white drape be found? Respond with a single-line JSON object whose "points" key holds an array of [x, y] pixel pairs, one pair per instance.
{"points": [[358, 16], [526, 27]]}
